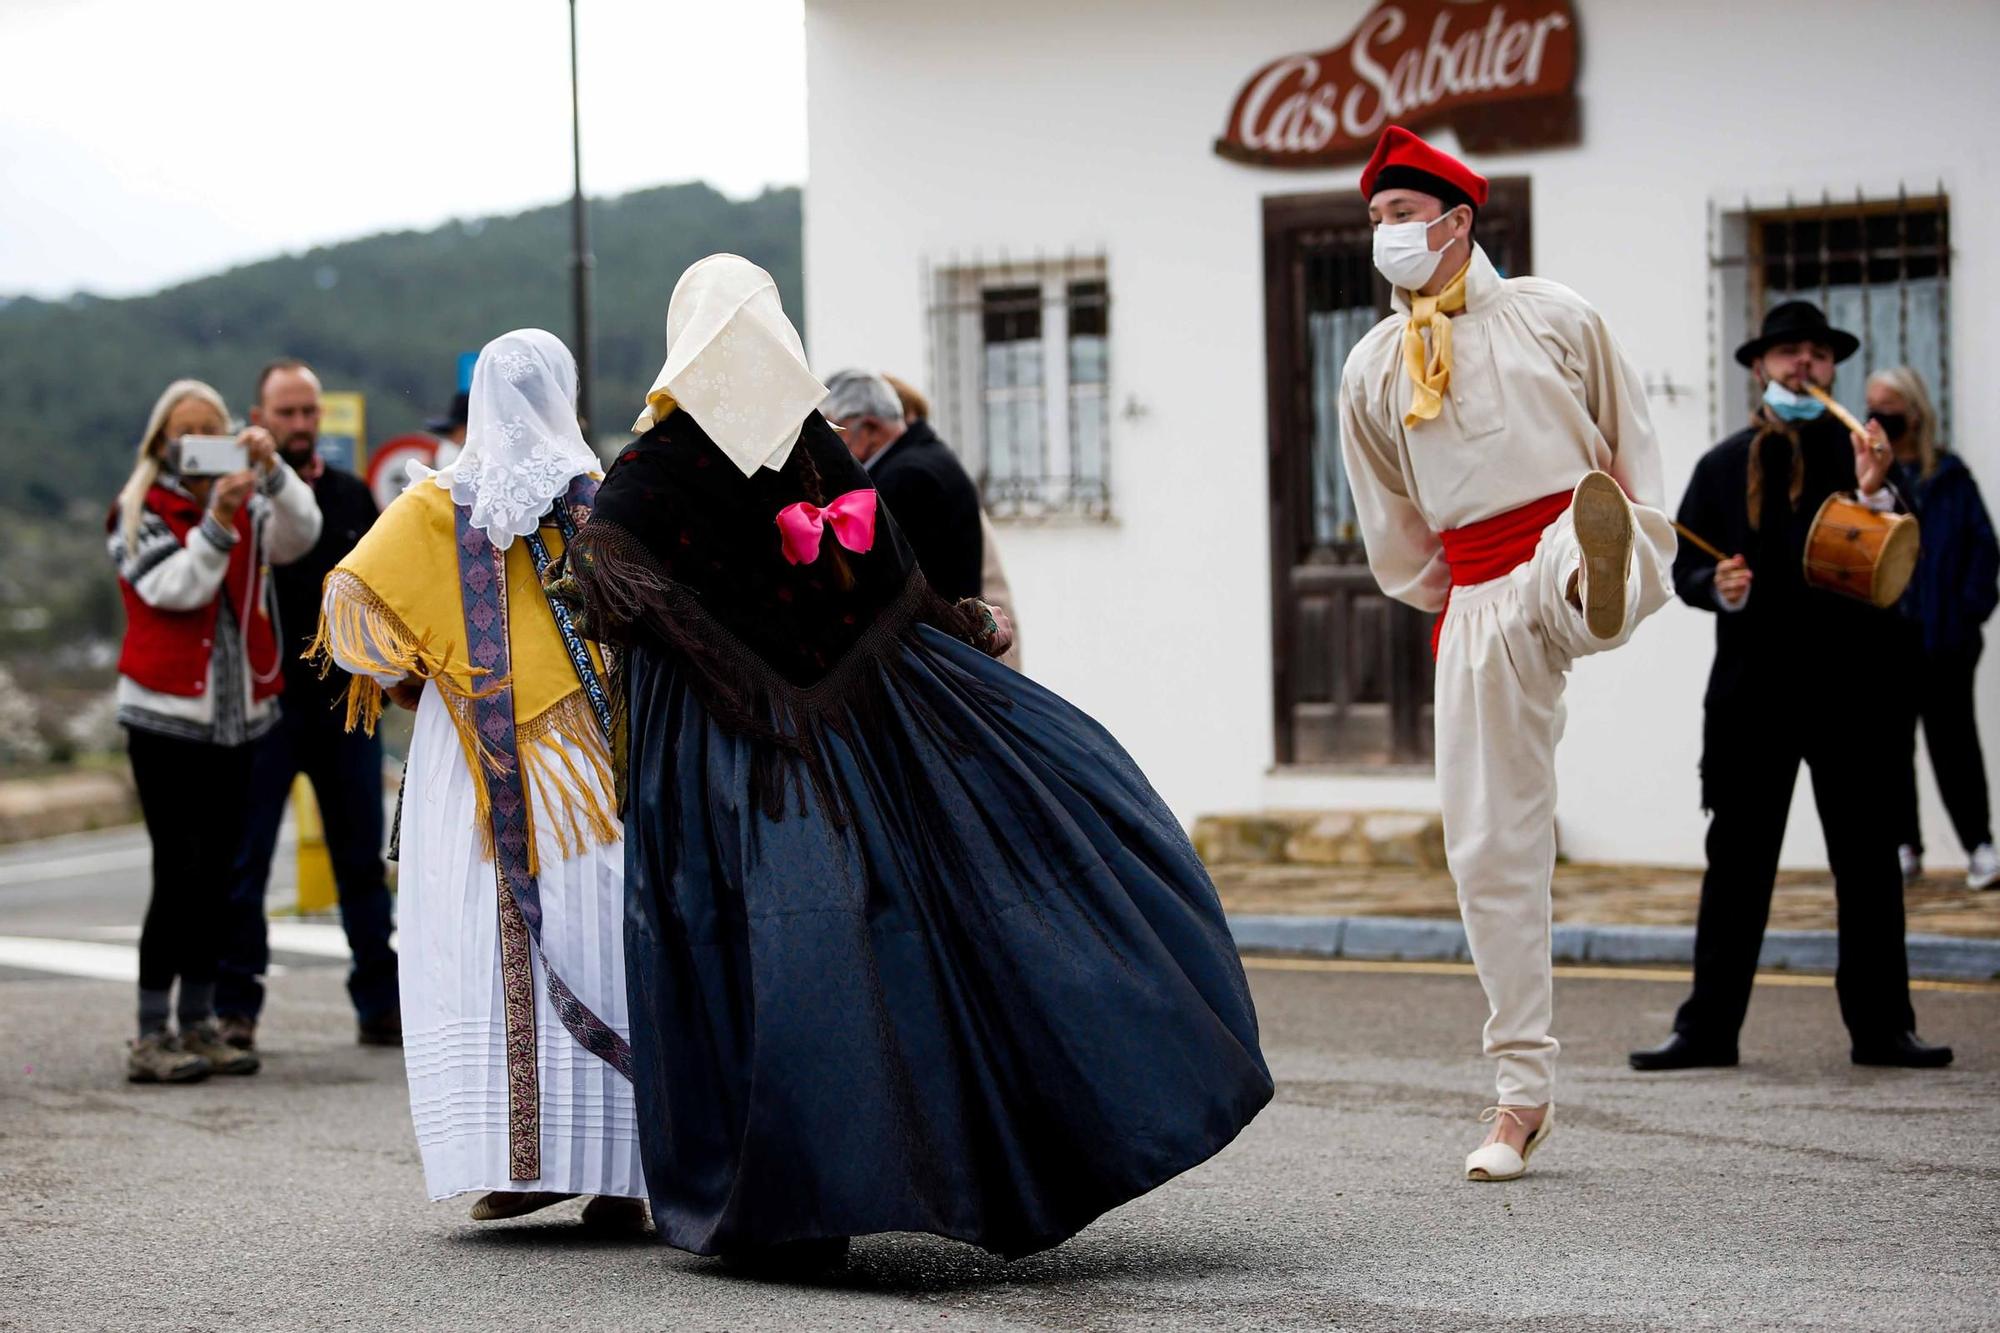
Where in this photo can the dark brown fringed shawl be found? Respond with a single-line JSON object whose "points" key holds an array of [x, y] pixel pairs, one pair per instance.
{"points": [[682, 553]]}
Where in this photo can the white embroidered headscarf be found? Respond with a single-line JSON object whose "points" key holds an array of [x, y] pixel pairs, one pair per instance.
{"points": [[734, 363], [523, 446]]}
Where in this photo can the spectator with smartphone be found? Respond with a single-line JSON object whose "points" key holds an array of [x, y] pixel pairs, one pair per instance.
{"points": [[199, 675]]}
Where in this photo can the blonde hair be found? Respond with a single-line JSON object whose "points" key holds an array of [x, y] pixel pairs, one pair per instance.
{"points": [[1908, 385], [916, 407], [146, 471]]}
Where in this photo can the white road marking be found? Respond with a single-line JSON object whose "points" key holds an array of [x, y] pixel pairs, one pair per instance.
{"points": [[318, 939], [89, 958], [70, 958], [76, 867]]}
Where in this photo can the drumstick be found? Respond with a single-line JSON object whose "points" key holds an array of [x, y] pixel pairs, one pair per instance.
{"points": [[1695, 540], [1833, 406]]}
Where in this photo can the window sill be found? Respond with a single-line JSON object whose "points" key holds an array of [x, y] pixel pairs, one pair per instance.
{"points": [[1053, 518]]}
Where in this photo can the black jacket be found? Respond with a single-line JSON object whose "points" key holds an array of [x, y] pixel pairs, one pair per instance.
{"points": [[1957, 584], [347, 510], [1794, 656], [937, 507]]}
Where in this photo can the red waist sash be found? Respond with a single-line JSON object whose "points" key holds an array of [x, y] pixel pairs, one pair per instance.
{"points": [[1495, 547]]}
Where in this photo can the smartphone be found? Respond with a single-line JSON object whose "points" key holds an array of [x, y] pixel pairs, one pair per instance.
{"points": [[210, 455]]}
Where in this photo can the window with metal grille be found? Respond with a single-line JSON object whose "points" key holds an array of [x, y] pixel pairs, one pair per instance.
{"points": [[1020, 364], [1880, 268]]}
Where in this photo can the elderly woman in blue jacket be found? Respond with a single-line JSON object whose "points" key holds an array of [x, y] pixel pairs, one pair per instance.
{"points": [[1957, 586]]}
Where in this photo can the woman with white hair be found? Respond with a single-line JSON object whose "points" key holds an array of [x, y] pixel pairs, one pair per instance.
{"points": [[1954, 592], [913, 945], [512, 881], [198, 679]]}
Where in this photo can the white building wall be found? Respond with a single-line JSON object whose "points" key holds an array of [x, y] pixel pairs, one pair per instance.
{"points": [[950, 127]]}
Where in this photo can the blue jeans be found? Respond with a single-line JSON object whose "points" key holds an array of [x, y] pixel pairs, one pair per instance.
{"points": [[345, 769]]}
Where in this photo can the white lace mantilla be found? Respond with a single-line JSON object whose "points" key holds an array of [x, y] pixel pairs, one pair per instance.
{"points": [[523, 446]]}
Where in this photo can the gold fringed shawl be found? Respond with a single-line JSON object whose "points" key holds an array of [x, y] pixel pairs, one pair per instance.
{"points": [[394, 608]]}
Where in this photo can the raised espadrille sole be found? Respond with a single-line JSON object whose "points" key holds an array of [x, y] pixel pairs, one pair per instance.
{"points": [[1603, 522]]}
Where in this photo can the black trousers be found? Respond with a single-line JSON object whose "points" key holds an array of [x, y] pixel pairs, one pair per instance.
{"points": [[345, 769], [1936, 689], [1750, 795], [195, 797]]}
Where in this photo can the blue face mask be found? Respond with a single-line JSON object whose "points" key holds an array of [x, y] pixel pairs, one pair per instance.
{"points": [[1791, 406]]}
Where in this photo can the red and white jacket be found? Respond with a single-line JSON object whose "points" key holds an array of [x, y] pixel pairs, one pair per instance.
{"points": [[201, 656]]}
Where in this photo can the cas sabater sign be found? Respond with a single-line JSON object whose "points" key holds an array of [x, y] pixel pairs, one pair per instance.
{"points": [[1502, 73]]}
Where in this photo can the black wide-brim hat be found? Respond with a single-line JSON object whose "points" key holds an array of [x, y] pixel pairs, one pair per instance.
{"points": [[460, 406], [1797, 322]]}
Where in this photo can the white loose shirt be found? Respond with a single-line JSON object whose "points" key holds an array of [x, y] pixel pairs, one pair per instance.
{"points": [[1540, 394]]}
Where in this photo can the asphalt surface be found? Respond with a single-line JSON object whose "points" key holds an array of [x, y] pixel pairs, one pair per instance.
{"points": [[1797, 1191]]}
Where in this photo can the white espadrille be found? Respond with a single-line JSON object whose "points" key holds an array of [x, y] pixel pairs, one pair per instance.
{"points": [[1499, 1161]]}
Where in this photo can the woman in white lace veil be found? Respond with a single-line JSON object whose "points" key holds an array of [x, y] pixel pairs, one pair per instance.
{"points": [[523, 445], [516, 1086]]}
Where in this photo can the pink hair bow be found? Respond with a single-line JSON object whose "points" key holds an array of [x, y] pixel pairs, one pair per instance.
{"points": [[852, 517]]}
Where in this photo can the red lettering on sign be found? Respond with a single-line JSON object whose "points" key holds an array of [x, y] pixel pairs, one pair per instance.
{"points": [[1501, 72]]}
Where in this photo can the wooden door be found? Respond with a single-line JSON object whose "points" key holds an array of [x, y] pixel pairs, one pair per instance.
{"points": [[1352, 669]]}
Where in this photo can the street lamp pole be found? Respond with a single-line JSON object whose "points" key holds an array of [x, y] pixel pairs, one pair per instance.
{"points": [[580, 260]]}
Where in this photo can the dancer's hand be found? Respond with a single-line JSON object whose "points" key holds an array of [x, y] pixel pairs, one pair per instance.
{"points": [[406, 693], [1002, 637]]}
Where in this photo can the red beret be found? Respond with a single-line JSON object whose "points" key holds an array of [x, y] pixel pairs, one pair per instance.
{"points": [[1402, 161]]}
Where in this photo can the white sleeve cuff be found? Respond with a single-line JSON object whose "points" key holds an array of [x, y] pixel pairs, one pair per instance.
{"points": [[217, 535], [1732, 604], [1882, 501]]}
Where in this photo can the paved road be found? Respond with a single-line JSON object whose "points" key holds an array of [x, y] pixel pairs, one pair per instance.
{"points": [[1797, 1191]]}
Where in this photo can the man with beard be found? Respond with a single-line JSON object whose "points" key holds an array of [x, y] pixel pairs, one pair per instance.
{"points": [[1798, 677], [345, 769]]}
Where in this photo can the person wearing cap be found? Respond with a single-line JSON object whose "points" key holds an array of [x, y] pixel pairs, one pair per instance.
{"points": [[450, 430], [1798, 672], [1504, 474]]}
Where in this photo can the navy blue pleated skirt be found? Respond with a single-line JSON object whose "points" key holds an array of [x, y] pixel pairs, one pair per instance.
{"points": [[989, 999]]}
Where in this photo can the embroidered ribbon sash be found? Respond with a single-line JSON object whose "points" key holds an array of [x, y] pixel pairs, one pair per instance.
{"points": [[483, 580]]}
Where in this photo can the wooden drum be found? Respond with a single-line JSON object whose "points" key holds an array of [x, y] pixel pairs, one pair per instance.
{"points": [[1853, 550]]}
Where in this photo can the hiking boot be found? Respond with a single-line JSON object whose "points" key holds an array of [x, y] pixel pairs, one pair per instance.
{"points": [[205, 1040], [238, 1031], [158, 1058], [1604, 530]]}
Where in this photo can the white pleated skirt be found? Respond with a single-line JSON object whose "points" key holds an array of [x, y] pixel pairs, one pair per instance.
{"points": [[454, 1026]]}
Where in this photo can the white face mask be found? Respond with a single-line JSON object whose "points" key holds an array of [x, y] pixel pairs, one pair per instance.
{"points": [[1403, 252]]}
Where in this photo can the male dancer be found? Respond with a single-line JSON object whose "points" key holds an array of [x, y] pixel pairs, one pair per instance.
{"points": [[1493, 432]]}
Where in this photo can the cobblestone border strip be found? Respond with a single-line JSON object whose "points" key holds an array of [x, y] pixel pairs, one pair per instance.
{"points": [[1414, 939]]}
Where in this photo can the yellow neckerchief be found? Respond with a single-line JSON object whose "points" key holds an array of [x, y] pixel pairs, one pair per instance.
{"points": [[1430, 378], [394, 604]]}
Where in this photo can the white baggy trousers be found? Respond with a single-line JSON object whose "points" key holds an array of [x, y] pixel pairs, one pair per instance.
{"points": [[1504, 650]]}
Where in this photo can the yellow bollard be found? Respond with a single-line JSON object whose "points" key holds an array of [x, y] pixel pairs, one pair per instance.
{"points": [[316, 891]]}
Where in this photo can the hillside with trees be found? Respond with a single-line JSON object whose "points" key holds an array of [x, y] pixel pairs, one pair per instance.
{"points": [[387, 315]]}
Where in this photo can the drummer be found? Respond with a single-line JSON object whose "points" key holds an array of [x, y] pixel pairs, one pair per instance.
{"points": [[1798, 673]]}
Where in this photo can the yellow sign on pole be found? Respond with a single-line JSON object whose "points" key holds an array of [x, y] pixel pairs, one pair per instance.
{"points": [[343, 430], [316, 887]]}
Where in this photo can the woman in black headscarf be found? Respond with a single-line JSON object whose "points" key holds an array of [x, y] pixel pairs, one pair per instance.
{"points": [[911, 943]]}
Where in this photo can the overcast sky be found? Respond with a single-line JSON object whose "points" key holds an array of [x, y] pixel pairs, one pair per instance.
{"points": [[147, 141]]}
